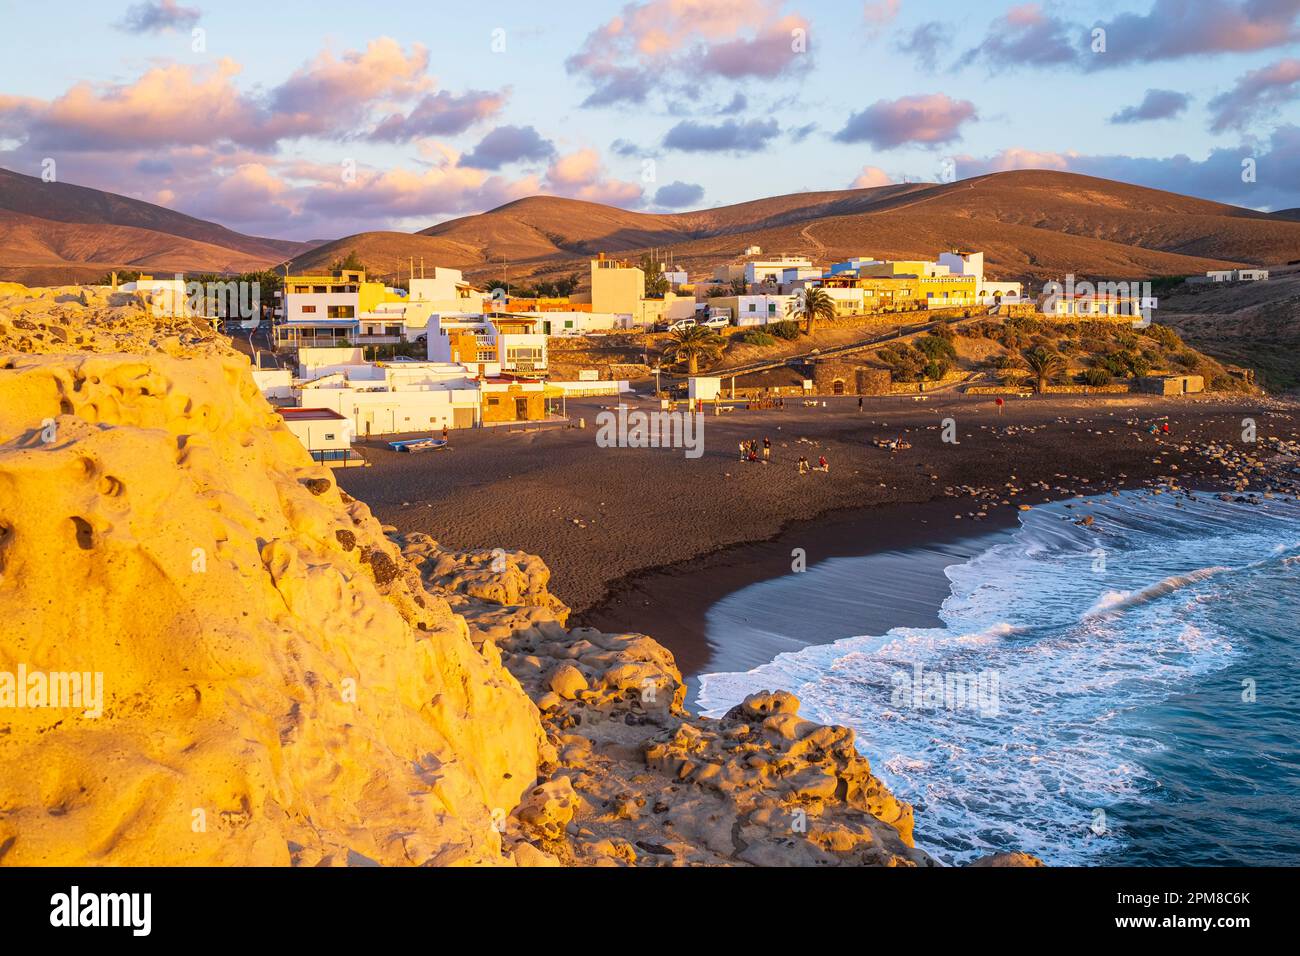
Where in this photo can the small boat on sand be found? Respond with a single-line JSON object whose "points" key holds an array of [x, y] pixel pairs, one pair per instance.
{"points": [[417, 444]]}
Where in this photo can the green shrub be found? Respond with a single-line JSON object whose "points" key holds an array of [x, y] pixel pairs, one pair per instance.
{"points": [[757, 337], [906, 363], [1097, 377], [936, 369], [1163, 334], [787, 329], [936, 348]]}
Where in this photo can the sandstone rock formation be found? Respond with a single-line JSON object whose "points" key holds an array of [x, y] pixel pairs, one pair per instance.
{"points": [[637, 780], [277, 685]]}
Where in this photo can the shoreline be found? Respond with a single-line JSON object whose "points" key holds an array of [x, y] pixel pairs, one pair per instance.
{"points": [[908, 544], [643, 541]]}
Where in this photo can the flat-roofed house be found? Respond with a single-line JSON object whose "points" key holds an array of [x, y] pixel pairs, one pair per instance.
{"points": [[324, 432]]}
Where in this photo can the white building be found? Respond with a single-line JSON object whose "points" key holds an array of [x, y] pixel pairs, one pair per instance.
{"points": [[1230, 275], [405, 397], [759, 309], [325, 433], [492, 345], [972, 264], [581, 323], [770, 271], [794, 275]]}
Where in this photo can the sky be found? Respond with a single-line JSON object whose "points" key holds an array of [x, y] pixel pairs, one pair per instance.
{"points": [[317, 120]]}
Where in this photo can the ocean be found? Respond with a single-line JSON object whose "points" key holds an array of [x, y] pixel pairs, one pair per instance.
{"points": [[1124, 692]]}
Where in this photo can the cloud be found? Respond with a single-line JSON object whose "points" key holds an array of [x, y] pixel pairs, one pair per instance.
{"points": [[440, 114], [508, 144], [580, 175], [879, 14], [1169, 30], [331, 90], [677, 195], [730, 136], [800, 133], [670, 44], [158, 16], [929, 120], [1025, 36], [926, 41], [738, 104], [1218, 176], [1174, 29], [625, 147], [871, 176], [1156, 105], [330, 97], [1256, 94], [168, 105]]}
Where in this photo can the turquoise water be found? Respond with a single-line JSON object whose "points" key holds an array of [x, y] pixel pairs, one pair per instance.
{"points": [[1125, 692]]}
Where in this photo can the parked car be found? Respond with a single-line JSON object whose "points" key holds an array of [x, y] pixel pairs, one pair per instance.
{"points": [[717, 322], [682, 324]]}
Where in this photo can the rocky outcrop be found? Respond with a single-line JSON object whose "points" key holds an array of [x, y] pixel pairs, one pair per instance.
{"points": [[637, 780], [277, 685]]}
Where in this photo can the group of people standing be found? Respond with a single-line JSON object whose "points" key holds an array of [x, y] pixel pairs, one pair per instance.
{"points": [[754, 450], [750, 450]]}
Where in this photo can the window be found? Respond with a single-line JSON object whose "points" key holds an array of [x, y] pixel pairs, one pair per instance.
{"points": [[494, 401], [309, 309], [329, 436], [753, 307], [342, 312]]}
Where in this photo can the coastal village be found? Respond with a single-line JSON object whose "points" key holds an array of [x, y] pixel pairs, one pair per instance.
{"points": [[348, 357]]}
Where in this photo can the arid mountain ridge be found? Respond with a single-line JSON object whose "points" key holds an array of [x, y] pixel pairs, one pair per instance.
{"points": [[1031, 224]]}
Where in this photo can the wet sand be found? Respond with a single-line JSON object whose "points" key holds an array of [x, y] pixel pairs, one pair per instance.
{"points": [[650, 540]]}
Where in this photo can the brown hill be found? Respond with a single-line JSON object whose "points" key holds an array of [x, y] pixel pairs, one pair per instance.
{"points": [[390, 253], [60, 232], [1032, 224]]}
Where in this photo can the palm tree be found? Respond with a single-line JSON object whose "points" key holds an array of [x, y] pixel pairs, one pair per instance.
{"points": [[1043, 365], [811, 304], [691, 344]]}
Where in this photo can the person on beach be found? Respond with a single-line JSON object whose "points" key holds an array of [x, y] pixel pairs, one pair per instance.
{"points": [[859, 403], [742, 451], [803, 465], [444, 434], [1164, 429], [823, 464], [767, 448]]}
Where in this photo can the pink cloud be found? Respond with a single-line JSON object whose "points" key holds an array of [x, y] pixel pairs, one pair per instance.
{"points": [[870, 177], [1255, 94], [658, 42], [929, 120], [581, 175]]}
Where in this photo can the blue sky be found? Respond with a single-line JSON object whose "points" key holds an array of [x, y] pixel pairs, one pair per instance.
{"points": [[307, 121]]}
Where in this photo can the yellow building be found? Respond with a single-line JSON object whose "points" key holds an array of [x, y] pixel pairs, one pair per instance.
{"points": [[616, 286], [907, 289]]}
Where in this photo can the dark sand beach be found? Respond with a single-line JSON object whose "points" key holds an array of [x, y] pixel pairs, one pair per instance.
{"points": [[648, 539]]}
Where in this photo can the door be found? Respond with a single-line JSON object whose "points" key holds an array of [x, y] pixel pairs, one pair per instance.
{"points": [[521, 409]]}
